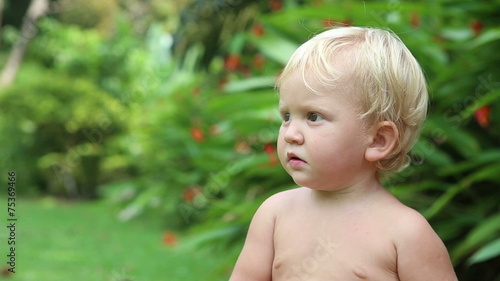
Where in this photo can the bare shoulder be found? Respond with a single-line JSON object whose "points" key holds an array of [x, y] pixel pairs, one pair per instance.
{"points": [[421, 254], [277, 204], [411, 224], [256, 258], [283, 200]]}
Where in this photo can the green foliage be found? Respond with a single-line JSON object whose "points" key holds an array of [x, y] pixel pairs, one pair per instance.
{"points": [[61, 122], [455, 167], [197, 146]]}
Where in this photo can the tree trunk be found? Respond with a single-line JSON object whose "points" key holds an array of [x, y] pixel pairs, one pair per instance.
{"points": [[36, 10]]}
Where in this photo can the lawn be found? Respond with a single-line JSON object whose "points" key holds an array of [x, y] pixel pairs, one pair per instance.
{"points": [[62, 240]]}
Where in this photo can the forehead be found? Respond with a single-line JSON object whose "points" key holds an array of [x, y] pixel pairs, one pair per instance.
{"points": [[297, 90], [306, 84]]}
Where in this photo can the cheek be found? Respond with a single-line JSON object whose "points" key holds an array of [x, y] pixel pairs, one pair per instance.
{"points": [[340, 145], [281, 147]]}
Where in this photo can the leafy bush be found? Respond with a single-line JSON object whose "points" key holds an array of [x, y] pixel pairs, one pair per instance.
{"points": [[64, 124]]}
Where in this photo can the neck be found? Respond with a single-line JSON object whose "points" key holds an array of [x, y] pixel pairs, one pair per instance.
{"points": [[355, 193]]}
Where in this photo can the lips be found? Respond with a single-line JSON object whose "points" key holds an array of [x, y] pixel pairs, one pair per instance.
{"points": [[292, 156], [295, 160]]}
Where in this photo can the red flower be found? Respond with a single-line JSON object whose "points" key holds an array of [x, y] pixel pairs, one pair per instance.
{"points": [[232, 62], [483, 116], [169, 239], [258, 61], [270, 150], [415, 19], [275, 5], [477, 27], [197, 134], [190, 193], [258, 30]]}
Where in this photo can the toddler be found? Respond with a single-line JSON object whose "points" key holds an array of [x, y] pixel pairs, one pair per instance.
{"points": [[352, 101]]}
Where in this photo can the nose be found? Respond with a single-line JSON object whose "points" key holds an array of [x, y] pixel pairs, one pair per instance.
{"points": [[291, 134]]}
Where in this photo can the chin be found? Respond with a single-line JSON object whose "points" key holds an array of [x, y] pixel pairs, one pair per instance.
{"points": [[307, 184]]}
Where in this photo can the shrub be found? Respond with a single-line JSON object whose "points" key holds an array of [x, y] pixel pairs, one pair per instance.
{"points": [[58, 129]]}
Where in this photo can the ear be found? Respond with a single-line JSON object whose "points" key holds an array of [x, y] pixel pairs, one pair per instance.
{"points": [[383, 140]]}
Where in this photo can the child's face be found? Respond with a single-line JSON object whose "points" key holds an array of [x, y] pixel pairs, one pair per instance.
{"points": [[321, 142]]}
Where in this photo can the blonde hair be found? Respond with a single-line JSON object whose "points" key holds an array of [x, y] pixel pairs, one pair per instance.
{"points": [[384, 76]]}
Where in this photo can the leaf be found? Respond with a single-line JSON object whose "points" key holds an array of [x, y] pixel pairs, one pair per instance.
{"points": [[487, 252], [478, 236], [486, 173], [246, 104], [461, 140], [275, 47], [208, 237], [425, 150], [490, 98], [490, 172], [442, 201], [483, 158], [249, 84], [456, 34], [485, 38]]}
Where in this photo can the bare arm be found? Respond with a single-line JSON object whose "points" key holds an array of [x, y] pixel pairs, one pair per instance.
{"points": [[256, 259], [422, 256]]}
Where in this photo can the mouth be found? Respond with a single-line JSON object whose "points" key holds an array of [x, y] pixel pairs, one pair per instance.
{"points": [[294, 160]]}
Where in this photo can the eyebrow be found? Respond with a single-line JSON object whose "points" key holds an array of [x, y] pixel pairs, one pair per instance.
{"points": [[321, 109]]}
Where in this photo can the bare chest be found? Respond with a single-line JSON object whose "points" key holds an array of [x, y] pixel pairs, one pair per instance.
{"points": [[328, 249]]}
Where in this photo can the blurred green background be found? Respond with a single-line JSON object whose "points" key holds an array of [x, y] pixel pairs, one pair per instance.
{"points": [[142, 132]]}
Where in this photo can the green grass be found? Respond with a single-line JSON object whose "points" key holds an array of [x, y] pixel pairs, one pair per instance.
{"points": [[60, 240]]}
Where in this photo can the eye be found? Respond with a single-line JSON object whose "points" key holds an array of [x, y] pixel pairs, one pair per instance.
{"points": [[314, 117], [285, 116]]}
